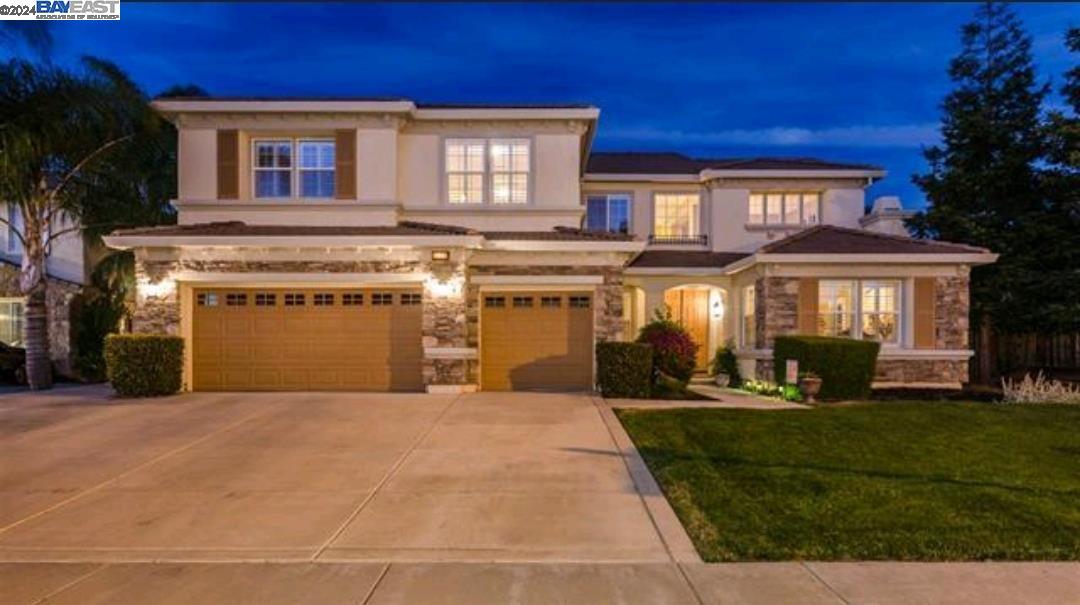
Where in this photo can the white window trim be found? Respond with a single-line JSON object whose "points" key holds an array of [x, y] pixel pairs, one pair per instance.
{"points": [[902, 307], [700, 226], [294, 169], [487, 200], [747, 343], [608, 195], [783, 224]]}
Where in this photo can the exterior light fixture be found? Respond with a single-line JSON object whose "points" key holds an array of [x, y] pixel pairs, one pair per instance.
{"points": [[440, 255]]}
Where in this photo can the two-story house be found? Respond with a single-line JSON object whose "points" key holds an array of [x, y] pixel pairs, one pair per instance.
{"points": [[388, 245]]}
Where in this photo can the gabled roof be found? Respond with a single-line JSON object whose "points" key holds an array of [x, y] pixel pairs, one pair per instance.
{"points": [[830, 239], [637, 162]]}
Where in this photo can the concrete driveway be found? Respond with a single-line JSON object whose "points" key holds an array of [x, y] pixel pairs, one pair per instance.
{"points": [[317, 477]]}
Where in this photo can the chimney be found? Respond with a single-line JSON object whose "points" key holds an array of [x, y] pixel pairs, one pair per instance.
{"points": [[887, 216]]}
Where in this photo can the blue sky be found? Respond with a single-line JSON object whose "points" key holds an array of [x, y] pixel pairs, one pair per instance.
{"points": [[859, 82]]}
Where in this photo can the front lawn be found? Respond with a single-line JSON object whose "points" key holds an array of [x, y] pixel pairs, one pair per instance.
{"points": [[912, 481]]}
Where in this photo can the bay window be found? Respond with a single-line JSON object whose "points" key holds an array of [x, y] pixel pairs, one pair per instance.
{"points": [[784, 209], [608, 212], [677, 215], [278, 175], [481, 171], [865, 309]]}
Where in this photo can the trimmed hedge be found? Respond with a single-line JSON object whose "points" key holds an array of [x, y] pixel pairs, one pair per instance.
{"points": [[144, 365], [624, 369], [846, 366]]}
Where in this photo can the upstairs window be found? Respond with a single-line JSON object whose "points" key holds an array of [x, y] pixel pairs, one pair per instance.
{"points": [[784, 209], [677, 215], [286, 168], [482, 171], [609, 212], [14, 228]]}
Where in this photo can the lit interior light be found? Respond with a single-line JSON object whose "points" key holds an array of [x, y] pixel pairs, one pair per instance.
{"points": [[440, 255]]}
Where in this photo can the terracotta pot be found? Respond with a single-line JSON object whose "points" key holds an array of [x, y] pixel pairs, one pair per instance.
{"points": [[809, 386]]}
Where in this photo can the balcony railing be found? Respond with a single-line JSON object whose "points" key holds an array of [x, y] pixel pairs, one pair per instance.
{"points": [[683, 240]]}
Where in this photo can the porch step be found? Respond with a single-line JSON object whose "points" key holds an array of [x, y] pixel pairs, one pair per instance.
{"points": [[701, 379]]}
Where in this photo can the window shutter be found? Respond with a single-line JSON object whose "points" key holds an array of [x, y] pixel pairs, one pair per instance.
{"points": [[924, 313], [228, 164], [345, 164], [808, 305]]}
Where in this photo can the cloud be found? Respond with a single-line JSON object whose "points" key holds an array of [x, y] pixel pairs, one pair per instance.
{"points": [[901, 135]]}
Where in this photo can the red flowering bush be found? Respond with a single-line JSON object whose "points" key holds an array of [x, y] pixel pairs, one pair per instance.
{"points": [[674, 352]]}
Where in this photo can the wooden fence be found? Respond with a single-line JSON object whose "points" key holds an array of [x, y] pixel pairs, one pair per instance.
{"points": [[997, 355]]}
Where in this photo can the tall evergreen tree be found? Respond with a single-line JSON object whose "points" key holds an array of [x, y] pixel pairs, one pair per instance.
{"points": [[984, 185]]}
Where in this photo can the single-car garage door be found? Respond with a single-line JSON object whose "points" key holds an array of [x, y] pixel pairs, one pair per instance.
{"points": [[536, 341], [307, 339]]}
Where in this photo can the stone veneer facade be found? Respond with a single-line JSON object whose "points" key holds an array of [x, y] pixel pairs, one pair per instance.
{"points": [[59, 298], [450, 325], [776, 314]]}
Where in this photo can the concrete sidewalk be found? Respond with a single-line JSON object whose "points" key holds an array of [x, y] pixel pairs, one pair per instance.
{"points": [[540, 583]]}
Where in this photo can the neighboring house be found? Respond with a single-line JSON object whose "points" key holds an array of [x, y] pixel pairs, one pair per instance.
{"points": [[66, 275], [389, 245]]}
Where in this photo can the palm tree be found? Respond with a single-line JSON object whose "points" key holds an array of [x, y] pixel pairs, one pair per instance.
{"points": [[61, 133]]}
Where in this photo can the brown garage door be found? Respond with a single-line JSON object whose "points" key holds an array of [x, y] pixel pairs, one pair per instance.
{"points": [[536, 341], [307, 339]]}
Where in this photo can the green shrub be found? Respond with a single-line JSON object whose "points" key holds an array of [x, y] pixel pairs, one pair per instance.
{"points": [[624, 369], [846, 366], [725, 362], [674, 351], [787, 392], [144, 365]]}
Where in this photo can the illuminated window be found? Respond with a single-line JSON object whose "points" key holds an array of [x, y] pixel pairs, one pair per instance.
{"points": [[789, 209], [11, 321], [677, 215], [749, 317], [866, 309], [487, 171]]}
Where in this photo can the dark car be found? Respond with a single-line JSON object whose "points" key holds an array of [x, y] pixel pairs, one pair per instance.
{"points": [[12, 363]]}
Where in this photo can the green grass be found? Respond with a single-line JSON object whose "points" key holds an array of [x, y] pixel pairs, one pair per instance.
{"points": [[903, 481]]}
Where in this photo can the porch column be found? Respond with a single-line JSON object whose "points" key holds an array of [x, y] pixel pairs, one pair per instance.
{"points": [[654, 299]]}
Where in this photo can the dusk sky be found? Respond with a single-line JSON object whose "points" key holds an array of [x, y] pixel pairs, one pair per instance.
{"points": [[858, 82]]}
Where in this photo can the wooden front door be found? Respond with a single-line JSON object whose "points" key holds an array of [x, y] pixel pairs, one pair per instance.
{"points": [[690, 307]]}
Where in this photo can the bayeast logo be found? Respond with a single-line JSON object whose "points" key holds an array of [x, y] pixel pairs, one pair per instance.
{"points": [[78, 9]]}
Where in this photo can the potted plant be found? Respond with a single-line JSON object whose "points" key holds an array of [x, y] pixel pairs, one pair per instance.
{"points": [[725, 367], [809, 386]]}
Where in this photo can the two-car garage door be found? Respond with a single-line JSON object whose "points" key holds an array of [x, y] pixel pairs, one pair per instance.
{"points": [[307, 339]]}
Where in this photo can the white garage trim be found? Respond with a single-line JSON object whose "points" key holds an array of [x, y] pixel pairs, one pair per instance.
{"points": [[538, 281], [342, 280]]}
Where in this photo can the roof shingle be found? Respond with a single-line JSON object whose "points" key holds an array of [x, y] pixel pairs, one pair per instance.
{"points": [[830, 239], [683, 259], [634, 162]]}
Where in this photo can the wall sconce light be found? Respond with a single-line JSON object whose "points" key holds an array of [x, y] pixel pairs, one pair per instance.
{"points": [[444, 288], [440, 255], [160, 289]]}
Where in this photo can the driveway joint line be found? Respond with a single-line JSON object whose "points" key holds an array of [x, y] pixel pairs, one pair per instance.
{"points": [[828, 586], [385, 479], [375, 586], [136, 468], [71, 584]]}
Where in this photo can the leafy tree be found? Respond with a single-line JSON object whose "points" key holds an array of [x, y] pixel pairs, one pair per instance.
{"points": [[64, 137], [985, 185]]}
